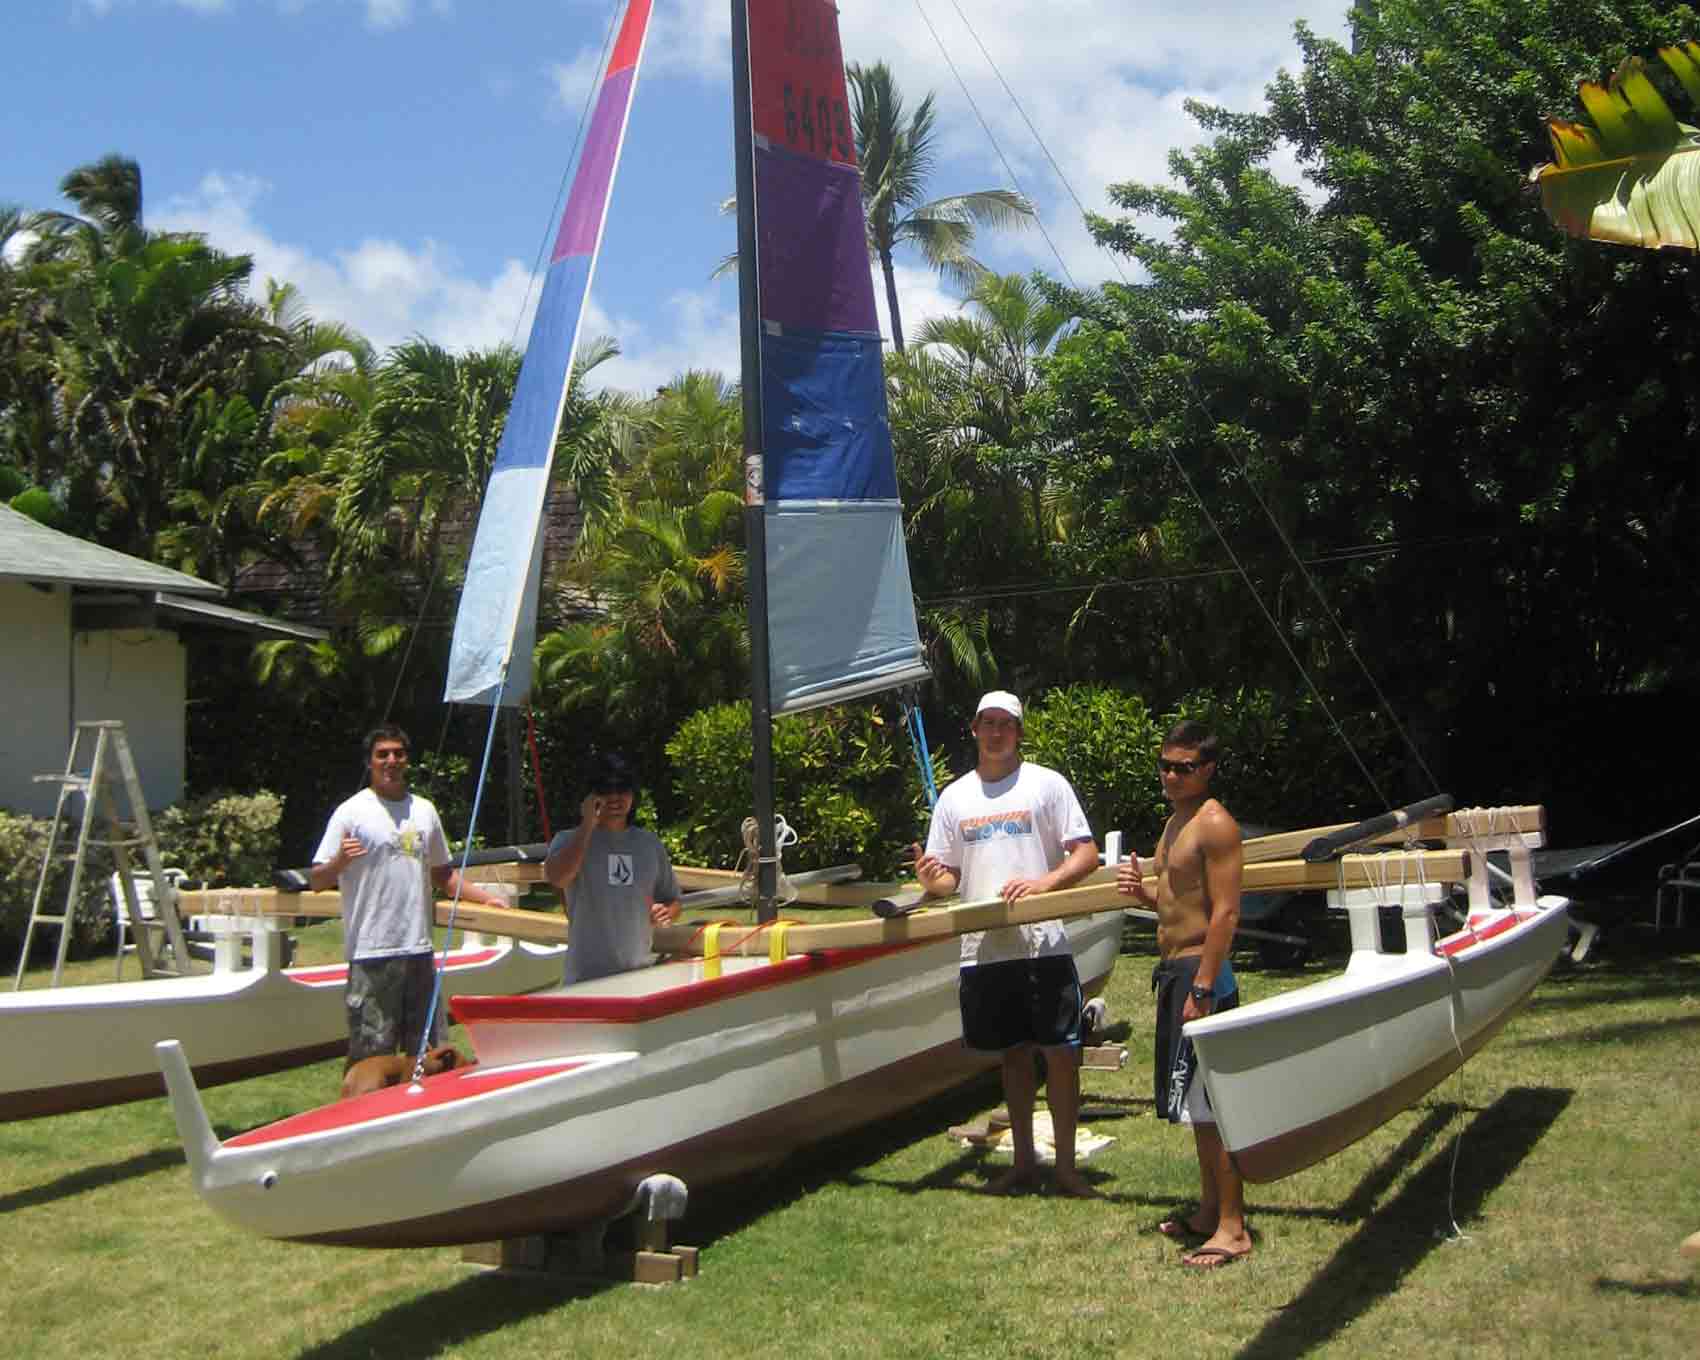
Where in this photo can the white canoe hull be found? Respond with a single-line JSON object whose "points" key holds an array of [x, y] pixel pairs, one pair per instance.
{"points": [[79, 1048], [582, 1093], [1298, 1077]]}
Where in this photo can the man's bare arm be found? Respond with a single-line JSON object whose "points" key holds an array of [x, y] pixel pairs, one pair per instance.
{"points": [[450, 884], [1082, 859], [1224, 865]]}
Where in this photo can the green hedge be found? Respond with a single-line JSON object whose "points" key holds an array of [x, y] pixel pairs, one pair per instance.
{"points": [[23, 843], [224, 839], [843, 777]]}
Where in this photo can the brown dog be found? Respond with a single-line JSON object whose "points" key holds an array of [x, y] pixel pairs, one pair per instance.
{"points": [[391, 1069]]}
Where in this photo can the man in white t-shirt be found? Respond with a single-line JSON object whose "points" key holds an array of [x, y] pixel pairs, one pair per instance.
{"points": [[1011, 829], [385, 849]]}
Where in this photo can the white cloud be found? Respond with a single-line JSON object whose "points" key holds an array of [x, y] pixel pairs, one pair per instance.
{"points": [[702, 333], [1103, 82], [388, 290]]}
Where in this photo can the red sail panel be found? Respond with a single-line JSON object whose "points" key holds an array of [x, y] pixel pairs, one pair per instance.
{"points": [[797, 80]]}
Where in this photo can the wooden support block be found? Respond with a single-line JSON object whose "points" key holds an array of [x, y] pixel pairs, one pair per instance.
{"points": [[688, 1260], [511, 1253], [1104, 1058], [656, 1267]]}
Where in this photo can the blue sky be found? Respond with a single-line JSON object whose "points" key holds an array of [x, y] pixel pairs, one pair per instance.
{"points": [[400, 160]]}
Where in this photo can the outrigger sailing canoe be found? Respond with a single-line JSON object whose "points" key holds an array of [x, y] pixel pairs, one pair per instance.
{"points": [[702, 1068]]}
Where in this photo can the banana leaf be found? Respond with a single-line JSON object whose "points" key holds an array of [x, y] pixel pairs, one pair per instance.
{"points": [[1633, 177]]}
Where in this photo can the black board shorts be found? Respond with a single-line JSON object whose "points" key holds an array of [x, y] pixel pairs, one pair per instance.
{"points": [[1176, 1066], [1021, 1001]]}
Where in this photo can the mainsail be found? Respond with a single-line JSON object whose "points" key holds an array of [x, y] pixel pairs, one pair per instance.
{"points": [[496, 626], [840, 609]]}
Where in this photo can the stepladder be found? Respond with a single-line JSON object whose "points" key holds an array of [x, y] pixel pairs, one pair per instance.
{"points": [[100, 769]]}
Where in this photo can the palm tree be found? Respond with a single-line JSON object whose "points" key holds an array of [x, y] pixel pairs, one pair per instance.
{"points": [[897, 157]]}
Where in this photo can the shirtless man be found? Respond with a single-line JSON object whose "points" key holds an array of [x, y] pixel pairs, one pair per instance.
{"points": [[1198, 864]]}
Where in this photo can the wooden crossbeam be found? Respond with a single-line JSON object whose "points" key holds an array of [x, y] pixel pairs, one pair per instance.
{"points": [[1097, 894]]}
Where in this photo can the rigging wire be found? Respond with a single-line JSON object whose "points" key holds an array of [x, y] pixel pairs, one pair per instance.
{"points": [[552, 223], [992, 138], [460, 883], [1174, 459]]}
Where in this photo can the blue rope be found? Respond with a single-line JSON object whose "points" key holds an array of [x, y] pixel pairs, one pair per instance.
{"points": [[916, 727], [460, 882]]}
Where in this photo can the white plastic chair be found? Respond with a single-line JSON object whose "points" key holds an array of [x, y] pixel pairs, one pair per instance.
{"points": [[144, 904]]}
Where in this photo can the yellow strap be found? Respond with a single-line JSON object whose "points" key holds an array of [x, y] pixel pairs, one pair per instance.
{"points": [[776, 941], [711, 950]]}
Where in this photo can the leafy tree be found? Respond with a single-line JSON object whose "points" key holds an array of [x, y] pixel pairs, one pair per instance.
{"points": [[152, 342], [1445, 410], [897, 158], [985, 516]]}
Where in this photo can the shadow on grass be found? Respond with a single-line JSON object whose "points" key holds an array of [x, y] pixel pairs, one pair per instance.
{"points": [[1649, 1289], [1627, 1031], [87, 1178], [436, 1323], [1395, 1239]]}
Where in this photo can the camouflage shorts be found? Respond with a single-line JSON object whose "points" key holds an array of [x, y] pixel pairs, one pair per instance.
{"points": [[387, 1000]]}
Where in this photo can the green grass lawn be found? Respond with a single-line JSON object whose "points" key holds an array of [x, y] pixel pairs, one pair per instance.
{"points": [[1576, 1174]]}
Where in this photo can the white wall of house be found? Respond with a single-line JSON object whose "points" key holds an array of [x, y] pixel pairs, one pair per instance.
{"points": [[140, 678], [50, 680], [35, 693]]}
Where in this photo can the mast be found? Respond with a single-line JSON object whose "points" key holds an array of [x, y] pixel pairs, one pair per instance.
{"points": [[755, 525]]}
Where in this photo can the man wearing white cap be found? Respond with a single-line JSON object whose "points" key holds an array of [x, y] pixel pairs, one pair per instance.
{"points": [[1010, 829]]}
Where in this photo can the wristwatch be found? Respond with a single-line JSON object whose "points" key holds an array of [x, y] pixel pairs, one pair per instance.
{"points": [[1202, 994]]}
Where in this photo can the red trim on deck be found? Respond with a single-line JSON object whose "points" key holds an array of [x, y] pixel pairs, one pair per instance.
{"points": [[1473, 934], [632, 1010], [443, 1089], [339, 972]]}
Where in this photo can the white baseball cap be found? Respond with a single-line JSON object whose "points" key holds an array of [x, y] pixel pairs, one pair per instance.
{"points": [[1000, 698]]}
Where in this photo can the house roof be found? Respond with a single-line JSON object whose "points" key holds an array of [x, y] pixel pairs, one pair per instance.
{"points": [[154, 596], [30, 551]]}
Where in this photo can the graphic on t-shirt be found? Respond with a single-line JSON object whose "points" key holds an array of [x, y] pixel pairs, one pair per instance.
{"points": [[407, 840], [621, 870], [1016, 824]]}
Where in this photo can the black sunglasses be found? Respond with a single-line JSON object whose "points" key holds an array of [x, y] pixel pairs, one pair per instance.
{"points": [[1180, 766]]}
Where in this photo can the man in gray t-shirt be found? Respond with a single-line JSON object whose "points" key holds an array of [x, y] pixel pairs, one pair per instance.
{"points": [[619, 883]]}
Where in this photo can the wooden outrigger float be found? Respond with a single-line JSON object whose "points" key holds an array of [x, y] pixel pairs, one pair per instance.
{"points": [[80, 1048]]}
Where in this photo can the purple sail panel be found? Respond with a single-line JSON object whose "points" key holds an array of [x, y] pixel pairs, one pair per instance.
{"points": [[581, 223], [812, 244]]}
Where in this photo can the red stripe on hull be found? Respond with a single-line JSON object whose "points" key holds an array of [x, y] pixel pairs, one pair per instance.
{"points": [[93, 1095]]}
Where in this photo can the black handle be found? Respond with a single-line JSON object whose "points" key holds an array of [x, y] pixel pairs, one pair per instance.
{"points": [[1326, 847]]}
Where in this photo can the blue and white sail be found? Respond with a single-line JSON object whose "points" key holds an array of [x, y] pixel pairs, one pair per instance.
{"points": [[496, 626], [840, 608]]}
